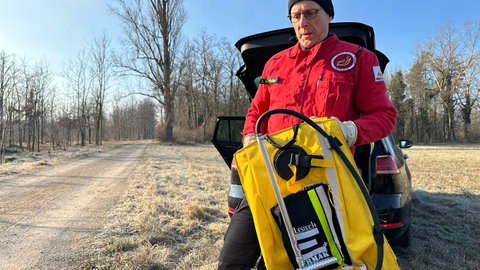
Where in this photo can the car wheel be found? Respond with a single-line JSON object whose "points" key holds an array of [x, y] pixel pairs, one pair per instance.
{"points": [[403, 240]]}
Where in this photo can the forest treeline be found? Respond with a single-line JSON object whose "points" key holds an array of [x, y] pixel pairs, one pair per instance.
{"points": [[164, 85]]}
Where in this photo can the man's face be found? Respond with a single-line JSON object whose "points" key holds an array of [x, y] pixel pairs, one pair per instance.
{"points": [[313, 31]]}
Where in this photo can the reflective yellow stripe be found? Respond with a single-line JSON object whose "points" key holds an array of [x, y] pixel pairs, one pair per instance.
{"points": [[326, 228]]}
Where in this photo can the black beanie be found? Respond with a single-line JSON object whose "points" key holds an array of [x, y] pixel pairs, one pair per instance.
{"points": [[325, 4]]}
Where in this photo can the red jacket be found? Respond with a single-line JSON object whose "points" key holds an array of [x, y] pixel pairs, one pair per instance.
{"points": [[334, 78]]}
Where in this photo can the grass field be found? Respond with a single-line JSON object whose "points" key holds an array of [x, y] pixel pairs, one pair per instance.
{"points": [[175, 217], [446, 208]]}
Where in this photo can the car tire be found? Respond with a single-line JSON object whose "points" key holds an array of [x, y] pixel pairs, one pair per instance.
{"points": [[402, 241]]}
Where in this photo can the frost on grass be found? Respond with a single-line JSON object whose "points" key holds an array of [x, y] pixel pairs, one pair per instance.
{"points": [[174, 216]]}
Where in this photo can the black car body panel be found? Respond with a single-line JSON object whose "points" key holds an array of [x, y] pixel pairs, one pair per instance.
{"points": [[382, 163]]}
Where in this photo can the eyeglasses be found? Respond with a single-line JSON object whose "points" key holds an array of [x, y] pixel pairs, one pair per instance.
{"points": [[309, 15]]}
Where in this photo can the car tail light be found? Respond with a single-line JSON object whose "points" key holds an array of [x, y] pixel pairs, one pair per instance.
{"points": [[386, 165], [391, 225]]}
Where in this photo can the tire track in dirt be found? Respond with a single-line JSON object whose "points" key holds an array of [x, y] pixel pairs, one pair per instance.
{"points": [[48, 217]]}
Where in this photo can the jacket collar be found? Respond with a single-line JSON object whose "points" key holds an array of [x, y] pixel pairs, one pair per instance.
{"points": [[295, 50]]}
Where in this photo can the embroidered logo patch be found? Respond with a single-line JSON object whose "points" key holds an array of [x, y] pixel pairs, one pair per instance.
{"points": [[377, 74], [344, 61]]}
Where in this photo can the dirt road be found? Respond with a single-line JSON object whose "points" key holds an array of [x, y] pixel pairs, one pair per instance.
{"points": [[49, 216]]}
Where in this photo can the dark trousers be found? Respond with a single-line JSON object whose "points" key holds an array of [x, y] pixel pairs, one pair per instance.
{"points": [[240, 249]]}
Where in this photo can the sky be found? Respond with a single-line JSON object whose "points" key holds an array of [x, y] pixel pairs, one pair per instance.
{"points": [[57, 30]]}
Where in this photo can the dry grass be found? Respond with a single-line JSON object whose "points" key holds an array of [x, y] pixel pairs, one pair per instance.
{"points": [[446, 169], [446, 208], [175, 214], [19, 162]]}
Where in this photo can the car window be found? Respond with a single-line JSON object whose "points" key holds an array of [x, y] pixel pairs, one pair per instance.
{"points": [[230, 131]]}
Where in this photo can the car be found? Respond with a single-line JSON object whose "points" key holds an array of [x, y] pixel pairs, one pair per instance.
{"points": [[382, 163]]}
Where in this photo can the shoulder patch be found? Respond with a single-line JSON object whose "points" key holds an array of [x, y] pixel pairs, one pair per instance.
{"points": [[377, 74]]}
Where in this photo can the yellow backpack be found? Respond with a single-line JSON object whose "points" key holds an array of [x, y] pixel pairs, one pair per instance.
{"points": [[310, 207]]}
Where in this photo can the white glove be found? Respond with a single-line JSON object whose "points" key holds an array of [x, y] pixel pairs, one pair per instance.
{"points": [[249, 138], [349, 131]]}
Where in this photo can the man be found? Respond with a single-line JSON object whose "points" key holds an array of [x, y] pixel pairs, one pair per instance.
{"points": [[319, 76]]}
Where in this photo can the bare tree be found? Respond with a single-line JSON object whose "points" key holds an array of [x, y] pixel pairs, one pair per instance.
{"points": [[102, 72], [422, 105], [188, 99], [448, 59], [443, 85], [133, 120], [146, 120], [80, 83], [152, 31], [7, 80], [208, 76], [235, 96], [15, 121], [209, 86], [468, 94], [36, 83]]}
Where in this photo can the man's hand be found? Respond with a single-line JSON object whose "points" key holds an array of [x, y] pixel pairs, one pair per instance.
{"points": [[349, 131], [249, 138]]}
